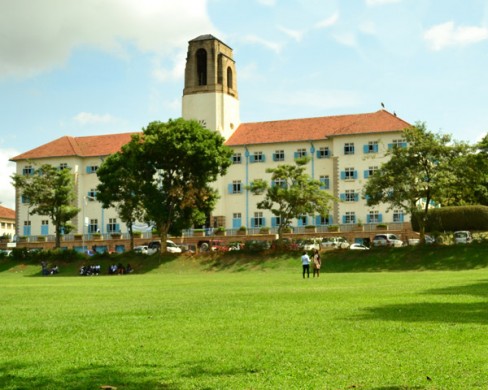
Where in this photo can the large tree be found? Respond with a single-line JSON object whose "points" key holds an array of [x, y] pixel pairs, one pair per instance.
{"points": [[50, 192], [119, 187], [175, 164], [293, 193], [419, 175]]}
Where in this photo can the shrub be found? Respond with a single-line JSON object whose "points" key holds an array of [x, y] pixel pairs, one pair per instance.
{"points": [[454, 218]]}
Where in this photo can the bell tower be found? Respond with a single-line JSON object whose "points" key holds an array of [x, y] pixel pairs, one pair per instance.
{"points": [[210, 94]]}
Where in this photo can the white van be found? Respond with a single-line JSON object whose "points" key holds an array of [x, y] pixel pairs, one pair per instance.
{"points": [[462, 237]]}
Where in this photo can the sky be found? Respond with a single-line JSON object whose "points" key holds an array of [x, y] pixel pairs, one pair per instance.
{"points": [[110, 66]]}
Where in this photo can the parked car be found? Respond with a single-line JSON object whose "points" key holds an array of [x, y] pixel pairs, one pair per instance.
{"points": [[358, 247], [141, 249], [155, 246], [334, 242], [416, 241], [387, 240], [311, 244], [462, 237]]}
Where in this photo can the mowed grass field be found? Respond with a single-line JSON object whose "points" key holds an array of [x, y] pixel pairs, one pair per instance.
{"points": [[402, 319]]}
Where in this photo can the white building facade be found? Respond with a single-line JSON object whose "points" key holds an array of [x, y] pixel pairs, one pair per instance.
{"points": [[344, 151]]}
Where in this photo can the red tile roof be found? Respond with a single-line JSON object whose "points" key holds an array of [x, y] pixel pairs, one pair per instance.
{"points": [[89, 146], [7, 213], [315, 128]]}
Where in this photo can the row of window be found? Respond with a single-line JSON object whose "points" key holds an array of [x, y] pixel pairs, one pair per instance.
{"points": [[7, 225], [323, 152], [258, 220], [112, 227], [28, 170]]}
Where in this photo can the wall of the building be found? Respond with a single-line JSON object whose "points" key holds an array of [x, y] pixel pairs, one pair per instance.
{"points": [[85, 182], [7, 227], [247, 171]]}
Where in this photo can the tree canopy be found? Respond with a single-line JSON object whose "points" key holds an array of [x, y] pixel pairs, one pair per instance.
{"points": [[424, 173], [173, 164], [119, 187], [293, 194], [50, 192]]}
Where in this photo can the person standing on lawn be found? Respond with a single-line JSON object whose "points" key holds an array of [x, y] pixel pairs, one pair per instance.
{"points": [[316, 263], [306, 265]]}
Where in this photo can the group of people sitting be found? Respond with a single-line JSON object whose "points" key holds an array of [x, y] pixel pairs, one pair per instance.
{"points": [[49, 271], [88, 270], [119, 269]]}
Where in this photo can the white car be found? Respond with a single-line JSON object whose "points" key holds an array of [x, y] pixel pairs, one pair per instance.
{"points": [[462, 237], [387, 240], [155, 246], [141, 249], [335, 242], [311, 244], [358, 247]]}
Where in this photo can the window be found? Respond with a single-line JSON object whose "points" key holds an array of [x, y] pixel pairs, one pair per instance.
{"points": [[323, 152], [349, 217], [229, 77], [279, 183], [349, 148], [350, 196], [373, 217], [349, 174], [257, 157], [44, 227], [24, 199], [398, 143], [370, 171], [235, 187], [27, 228], [275, 221], [113, 226], [279, 155], [202, 66], [302, 220], [237, 158], [258, 220], [397, 216], [93, 226], [91, 169], [92, 195], [371, 147], [324, 182], [236, 220], [28, 170], [323, 220], [302, 152], [63, 166]]}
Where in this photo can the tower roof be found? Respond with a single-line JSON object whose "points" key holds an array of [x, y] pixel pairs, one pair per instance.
{"points": [[309, 129]]}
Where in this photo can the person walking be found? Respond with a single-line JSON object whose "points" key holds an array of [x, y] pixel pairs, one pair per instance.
{"points": [[306, 265], [316, 263]]}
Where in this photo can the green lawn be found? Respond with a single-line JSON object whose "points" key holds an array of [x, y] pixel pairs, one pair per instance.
{"points": [[250, 322]]}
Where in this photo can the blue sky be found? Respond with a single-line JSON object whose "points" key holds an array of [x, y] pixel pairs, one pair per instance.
{"points": [[110, 66]]}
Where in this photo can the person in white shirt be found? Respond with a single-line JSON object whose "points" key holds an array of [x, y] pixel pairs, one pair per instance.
{"points": [[306, 264]]}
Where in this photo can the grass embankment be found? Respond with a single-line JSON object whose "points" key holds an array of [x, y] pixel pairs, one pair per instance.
{"points": [[250, 321]]}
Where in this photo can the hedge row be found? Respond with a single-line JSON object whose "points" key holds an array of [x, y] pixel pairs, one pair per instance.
{"points": [[454, 218]]}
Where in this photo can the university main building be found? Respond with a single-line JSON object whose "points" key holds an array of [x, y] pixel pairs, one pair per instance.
{"points": [[344, 151]]}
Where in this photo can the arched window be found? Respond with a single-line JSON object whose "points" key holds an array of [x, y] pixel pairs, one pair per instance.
{"points": [[202, 66], [229, 78]]}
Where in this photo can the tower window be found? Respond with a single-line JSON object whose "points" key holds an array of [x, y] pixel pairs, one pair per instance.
{"points": [[229, 78], [202, 66]]}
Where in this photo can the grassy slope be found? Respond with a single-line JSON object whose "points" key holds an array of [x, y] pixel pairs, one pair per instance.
{"points": [[204, 322]]}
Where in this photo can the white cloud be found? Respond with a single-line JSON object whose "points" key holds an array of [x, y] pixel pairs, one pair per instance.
{"points": [[447, 34], [7, 168], [176, 72], [295, 34], [87, 118], [328, 22], [346, 38], [273, 46], [39, 36], [380, 2]]}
